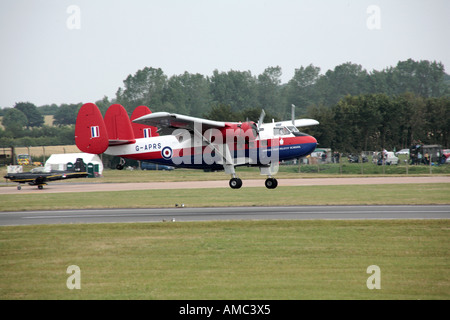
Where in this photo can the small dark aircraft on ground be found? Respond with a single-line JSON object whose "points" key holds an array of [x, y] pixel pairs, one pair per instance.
{"points": [[39, 177]]}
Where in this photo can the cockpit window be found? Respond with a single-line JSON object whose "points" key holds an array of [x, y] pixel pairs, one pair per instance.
{"points": [[281, 131]]}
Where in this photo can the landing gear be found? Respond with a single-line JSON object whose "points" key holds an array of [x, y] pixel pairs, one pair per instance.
{"points": [[271, 183], [269, 171], [121, 164], [235, 183]]}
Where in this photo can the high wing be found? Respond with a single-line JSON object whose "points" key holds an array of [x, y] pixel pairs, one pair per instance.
{"points": [[299, 123], [166, 122]]}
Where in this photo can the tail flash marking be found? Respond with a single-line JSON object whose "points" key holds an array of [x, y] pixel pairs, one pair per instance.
{"points": [[147, 132], [95, 132]]}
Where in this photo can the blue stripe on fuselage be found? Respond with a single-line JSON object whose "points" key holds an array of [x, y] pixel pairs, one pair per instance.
{"points": [[286, 152]]}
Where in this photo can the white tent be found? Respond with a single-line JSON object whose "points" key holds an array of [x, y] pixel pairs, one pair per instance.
{"points": [[60, 161]]}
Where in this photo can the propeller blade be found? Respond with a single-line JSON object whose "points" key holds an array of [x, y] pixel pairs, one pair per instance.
{"points": [[293, 114], [261, 119]]}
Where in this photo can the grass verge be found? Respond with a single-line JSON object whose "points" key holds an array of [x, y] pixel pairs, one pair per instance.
{"points": [[228, 260]]}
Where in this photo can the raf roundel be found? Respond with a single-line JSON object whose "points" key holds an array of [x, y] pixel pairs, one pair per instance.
{"points": [[166, 153]]}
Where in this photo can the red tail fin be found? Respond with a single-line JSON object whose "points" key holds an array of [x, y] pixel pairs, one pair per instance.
{"points": [[142, 130], [90, 130], [118, 125]]}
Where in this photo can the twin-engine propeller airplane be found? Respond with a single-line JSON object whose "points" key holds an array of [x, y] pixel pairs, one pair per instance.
{"points": [[188, 142]]}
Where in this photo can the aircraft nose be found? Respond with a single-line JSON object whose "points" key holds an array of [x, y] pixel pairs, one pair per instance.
{"points": [[305, 138], [313, 140], [309, 143]]}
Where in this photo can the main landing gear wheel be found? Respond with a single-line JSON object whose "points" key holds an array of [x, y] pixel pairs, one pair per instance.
{"points": [[271, 183], [235, 183], [121, 164]]}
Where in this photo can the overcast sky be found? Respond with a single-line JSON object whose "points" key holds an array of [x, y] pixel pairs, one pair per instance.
{"points": [[70, 51]]}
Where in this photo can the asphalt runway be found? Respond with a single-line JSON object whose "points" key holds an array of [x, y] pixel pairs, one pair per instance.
{"points": [[229, 213], [78, 186]]}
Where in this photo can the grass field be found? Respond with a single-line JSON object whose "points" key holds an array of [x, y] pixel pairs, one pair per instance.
{"points": [[228, 260]]}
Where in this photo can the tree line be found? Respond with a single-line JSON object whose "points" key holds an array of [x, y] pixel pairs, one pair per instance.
{"points": [[357, 109], [371, 122]]}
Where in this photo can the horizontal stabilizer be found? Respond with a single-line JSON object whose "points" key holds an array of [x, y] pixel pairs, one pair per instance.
{"points": [[90, 130]]}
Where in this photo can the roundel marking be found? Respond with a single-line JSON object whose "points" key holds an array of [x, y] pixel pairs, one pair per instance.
{"points": [[166, 153]]}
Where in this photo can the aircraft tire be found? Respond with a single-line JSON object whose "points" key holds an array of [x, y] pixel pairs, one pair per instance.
{"points": [[271, 183], [235, 183]]}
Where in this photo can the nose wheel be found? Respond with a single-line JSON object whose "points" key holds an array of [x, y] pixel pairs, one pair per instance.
{"points": [[271, 183]]}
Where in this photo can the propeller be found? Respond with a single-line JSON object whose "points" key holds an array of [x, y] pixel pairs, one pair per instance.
{"points": [[293, 114], [261, 119]]}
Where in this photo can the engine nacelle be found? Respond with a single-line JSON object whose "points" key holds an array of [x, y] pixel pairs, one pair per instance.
{"points": [[245, 131]]}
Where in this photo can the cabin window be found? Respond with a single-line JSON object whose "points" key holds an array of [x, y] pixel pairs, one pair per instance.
{"points": [[281, 131]]}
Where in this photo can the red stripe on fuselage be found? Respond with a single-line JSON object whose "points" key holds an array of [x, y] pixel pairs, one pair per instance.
{"points": [[282, 141]]}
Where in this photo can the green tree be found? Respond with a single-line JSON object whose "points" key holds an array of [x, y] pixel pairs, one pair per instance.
{"points": [[345, 79], [103, 104], [66, 114], [328, 131], [34, 117], [301, 89], [48, 109], [438, 120], [222, 112], [423, 78], [146, 88], [188, 94], [269, 90], [411, 118], [234, 88], [14, 120]]}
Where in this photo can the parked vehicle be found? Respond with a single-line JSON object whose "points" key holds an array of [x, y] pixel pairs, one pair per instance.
{"points": [[357, 159], [152, 166], [388, 159], [23, 159], [403, 151]]}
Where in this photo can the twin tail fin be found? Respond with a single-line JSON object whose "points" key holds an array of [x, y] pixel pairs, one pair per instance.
{"points": [[94, 134]]}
